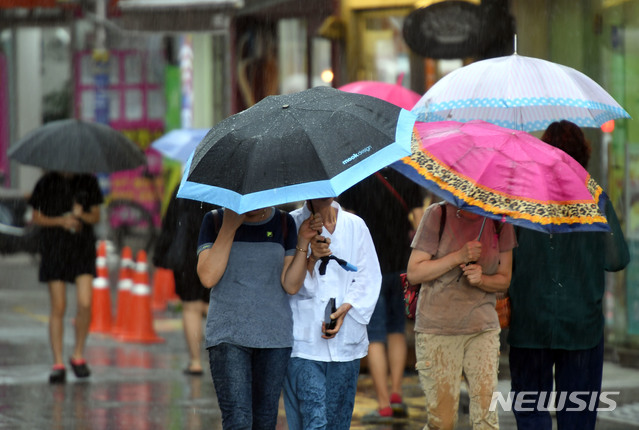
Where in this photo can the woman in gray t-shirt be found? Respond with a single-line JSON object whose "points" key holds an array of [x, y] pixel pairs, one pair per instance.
{"points": [[251, 262]]}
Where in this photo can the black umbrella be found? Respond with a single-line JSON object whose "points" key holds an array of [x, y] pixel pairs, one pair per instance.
{"points": [[311, 144], [72, 145]]}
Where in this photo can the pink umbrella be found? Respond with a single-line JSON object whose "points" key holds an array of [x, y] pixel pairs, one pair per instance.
{"points": [[392, 93], [506, 175]]}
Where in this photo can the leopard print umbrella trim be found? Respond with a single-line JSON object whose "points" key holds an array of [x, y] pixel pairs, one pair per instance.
{"points": [[492, 201]]}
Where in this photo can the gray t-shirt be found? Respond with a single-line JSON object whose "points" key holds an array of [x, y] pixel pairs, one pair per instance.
{"points": [[249, 306]]}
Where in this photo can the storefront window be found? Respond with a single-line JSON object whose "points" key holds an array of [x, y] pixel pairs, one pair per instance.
{"points": [[293, 70], [321, 62], [619, 51], [382, 54], [156, 104], [133, 102], [133, 68], [293, 66], [133, 105], [114, 69]]}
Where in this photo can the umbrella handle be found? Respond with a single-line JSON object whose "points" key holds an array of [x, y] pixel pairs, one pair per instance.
{"points": [[310, 202], [481, 230]]}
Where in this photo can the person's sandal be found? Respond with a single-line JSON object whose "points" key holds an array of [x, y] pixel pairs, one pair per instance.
{"points": [[379, 416], [58, 375], [80, 368], [190, 372], [400, 410]]}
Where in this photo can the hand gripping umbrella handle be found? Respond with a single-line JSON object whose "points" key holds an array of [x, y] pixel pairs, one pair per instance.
{"points": [[319, 232], [481, 230]]}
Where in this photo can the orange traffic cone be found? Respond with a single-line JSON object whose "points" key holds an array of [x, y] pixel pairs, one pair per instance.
{"points": [[125, 283], [163, 288], [101, 300], [171, 295], [140, 327]]}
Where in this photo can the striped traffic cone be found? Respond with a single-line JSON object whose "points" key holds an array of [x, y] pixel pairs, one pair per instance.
{"points": [[140, 328], [125, 283], [163, 288], [101, 318]]}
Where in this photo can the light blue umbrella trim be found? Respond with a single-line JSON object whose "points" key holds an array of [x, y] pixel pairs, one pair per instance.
{"points": [[439, 111], [404, 129], [523, 102], [528, 125]]}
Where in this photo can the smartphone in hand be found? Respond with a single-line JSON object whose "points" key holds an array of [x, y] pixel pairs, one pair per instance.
{"points": [[329, 324]]}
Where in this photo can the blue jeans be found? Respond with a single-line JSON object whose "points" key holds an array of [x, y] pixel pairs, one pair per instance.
{"points": [[532, 370], [320, 395], [248, 383]]}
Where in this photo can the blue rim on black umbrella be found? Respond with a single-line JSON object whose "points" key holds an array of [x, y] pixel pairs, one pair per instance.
{"points": [[312, 144], [77, 146]]}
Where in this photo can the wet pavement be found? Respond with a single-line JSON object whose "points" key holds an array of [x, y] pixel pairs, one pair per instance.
{"points": [[141, 386]]}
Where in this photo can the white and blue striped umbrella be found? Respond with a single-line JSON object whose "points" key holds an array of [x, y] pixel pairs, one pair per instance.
{"points": [[520, 93]]}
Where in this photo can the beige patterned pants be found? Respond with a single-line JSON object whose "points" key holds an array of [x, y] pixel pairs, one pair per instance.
{"points": [[442, 361]]}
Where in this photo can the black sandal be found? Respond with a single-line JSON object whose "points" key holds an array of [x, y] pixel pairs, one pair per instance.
{"points": [[80, 368], [190, 372], [58, 375]]}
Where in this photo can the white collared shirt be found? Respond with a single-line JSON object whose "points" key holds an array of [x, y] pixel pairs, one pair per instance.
{"points": [[350, 241]]}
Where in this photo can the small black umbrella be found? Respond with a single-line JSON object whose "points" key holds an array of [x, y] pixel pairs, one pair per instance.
{"points": [[76, 146], [311, 144]]}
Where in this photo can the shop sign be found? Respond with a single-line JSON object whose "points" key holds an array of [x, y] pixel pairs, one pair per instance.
{"points": [[449, 29]]}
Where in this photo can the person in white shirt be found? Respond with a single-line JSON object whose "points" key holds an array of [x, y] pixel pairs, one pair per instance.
{"points": [[321, 379]]}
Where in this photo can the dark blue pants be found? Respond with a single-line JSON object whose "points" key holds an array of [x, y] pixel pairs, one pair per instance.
{"points": [[389, 315], [248, 383], [531, 370]]}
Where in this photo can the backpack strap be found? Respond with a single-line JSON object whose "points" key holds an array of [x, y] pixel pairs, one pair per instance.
{"points": [[442, 220], [498, 226], [216, 220], [284, 224], [393, 191]]}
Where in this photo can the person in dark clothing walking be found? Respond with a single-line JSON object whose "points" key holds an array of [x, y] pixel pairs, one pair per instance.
{"points": [[176, 249], [66, 206], [557, 322]]}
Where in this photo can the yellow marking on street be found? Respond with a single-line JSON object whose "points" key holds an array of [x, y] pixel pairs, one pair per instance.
{"points": [[24, 311], [167, 324], [161, 325]]}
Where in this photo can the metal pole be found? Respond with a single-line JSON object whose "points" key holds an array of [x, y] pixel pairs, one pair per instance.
{"points": [[100, 59], [605, 149], [101, 66]]}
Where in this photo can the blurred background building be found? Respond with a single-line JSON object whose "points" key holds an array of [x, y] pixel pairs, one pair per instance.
{"points": [[147, 67]]}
